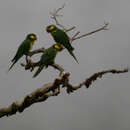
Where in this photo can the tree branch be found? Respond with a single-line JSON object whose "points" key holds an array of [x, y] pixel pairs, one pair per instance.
{"points": [[56, 14], [40, 50], [52, 89], [94, 77], [30, 65], [90, 33]]}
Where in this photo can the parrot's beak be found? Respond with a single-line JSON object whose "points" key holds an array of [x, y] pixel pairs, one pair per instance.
{"points": [[36, 38]]}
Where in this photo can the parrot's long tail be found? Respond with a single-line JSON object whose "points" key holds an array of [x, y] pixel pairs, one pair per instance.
{"points": [[38, 71], [11, 66], [71, 53]]}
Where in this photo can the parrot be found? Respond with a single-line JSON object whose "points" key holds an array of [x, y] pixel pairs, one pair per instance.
{"points": [[61, 38], [47, 58], [24, 48]]}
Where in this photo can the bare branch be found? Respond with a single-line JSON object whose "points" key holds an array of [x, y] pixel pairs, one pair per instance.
{"points": [[52, 89], [72, 28], [94, 77], [59, 9], [56, 14], [90, 33], [30, 65], [58, 67], [73, 37], [40, 50]]}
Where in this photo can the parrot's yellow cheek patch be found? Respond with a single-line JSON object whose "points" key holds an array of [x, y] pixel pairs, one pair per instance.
{"points": [[51, 28], [32, 37], [57, 46]]}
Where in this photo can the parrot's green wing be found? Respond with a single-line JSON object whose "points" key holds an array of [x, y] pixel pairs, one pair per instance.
{"points": [[22, 50], [38, 70], [62, 38], [47, 58]]}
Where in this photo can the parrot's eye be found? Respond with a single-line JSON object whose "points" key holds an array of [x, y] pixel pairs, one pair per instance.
{"points": [[33, 37]]}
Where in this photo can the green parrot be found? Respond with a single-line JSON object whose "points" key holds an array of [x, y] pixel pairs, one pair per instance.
{"points": [[24, 48], [61, 38], [47, 58]]}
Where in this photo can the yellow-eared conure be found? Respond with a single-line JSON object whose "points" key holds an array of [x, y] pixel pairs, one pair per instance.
{"points": [[61, 38], [47, 58], [24, 48]]}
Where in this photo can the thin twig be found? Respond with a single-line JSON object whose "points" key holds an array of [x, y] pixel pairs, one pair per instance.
{"points": [[73, 37], [90, 33], [55, 14], [70, 29], [40, 50]]}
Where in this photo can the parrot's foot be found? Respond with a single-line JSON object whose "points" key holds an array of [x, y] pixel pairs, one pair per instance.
{"points": [[29, 65]]}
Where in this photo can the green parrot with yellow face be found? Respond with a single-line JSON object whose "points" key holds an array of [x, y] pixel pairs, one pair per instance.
{"points": [[61, 38], [47, 58], [24, 48]]}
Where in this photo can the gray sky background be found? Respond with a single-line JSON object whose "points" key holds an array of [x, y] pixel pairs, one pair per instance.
{"points": [[104, 106]]}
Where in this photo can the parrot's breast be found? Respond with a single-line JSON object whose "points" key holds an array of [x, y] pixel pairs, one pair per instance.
{"points": [[31, 45]]}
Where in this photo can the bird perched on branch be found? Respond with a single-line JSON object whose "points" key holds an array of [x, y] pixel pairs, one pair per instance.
{"points": [[47, 58], [24, 48], [61, 38]]}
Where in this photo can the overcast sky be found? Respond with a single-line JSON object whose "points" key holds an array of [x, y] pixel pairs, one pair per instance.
{"points": [[104, 106]]}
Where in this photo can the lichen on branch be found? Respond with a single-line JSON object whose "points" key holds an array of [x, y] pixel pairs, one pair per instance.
{"points": [[53, 89]]}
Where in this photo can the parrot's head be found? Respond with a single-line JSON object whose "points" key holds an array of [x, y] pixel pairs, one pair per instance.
{"points": [[32, 37], [51, 28]]}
